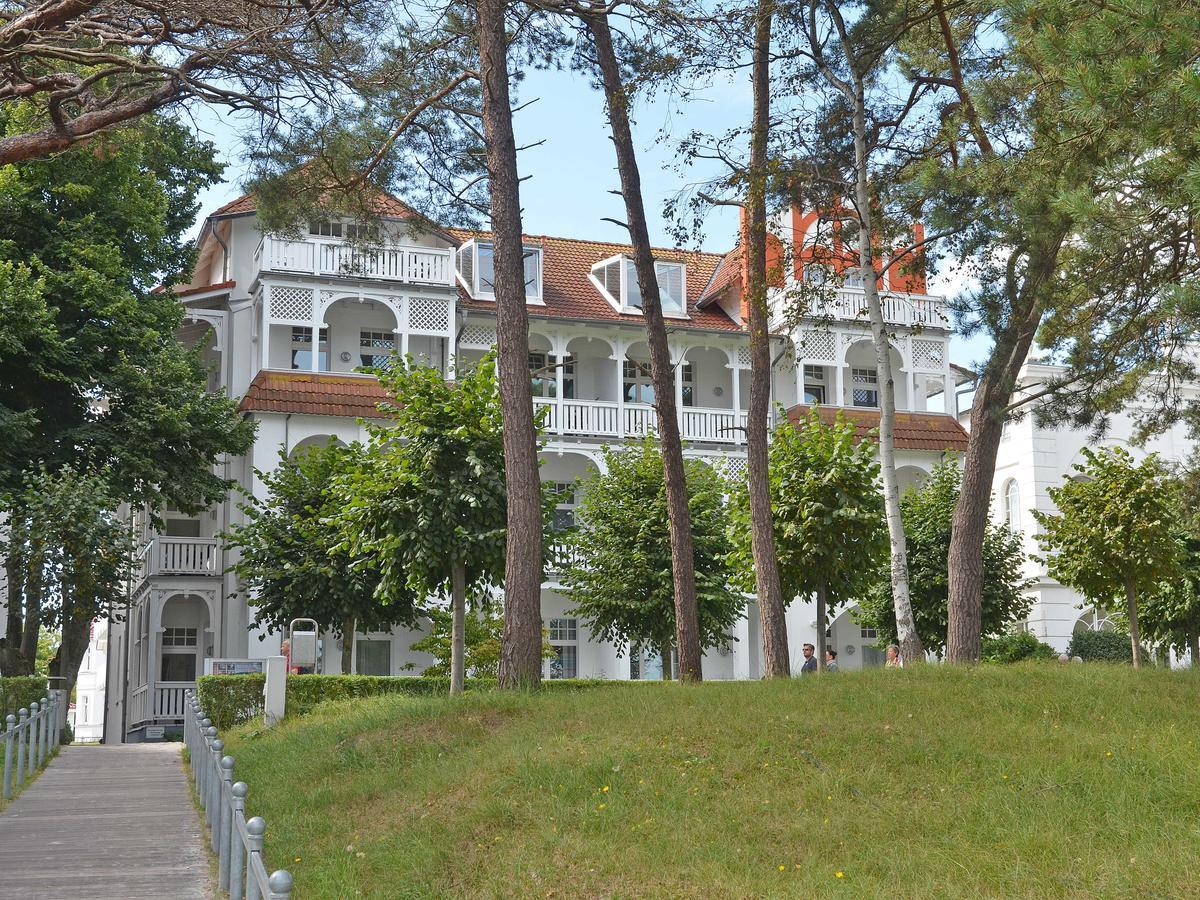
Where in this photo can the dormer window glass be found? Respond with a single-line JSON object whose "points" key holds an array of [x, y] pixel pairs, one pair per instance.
{"points": [[325, 229], [475, 261], [617, 279]]}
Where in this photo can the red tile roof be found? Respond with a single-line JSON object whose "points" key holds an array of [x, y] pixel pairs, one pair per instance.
{"points": [[729, 272], [568, 292], [384, 205], [201, 289], [318, 394], [914, 430]]}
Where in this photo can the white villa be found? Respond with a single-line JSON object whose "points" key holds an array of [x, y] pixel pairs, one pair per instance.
{"points": [[287, 321], [1032, 459]]}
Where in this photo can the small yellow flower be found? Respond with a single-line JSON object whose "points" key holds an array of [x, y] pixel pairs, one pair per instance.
{"points": [[297, 859], [839, 874], [360, 855], [1109, 753], [783, 868], [829, 797], [602, 805], [604, 789], [1004, 777]]}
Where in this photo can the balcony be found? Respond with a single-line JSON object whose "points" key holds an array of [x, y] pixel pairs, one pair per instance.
{"points": [[165, 700], [333, 257], [607, 418], [909, 310], [181, 556]]}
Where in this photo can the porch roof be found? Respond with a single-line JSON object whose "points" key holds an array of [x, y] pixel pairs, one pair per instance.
{"points": [[315, 393], [914, 430]]}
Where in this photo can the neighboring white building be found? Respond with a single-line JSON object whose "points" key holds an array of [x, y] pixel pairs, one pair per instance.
{"points": [[87, 712], [1033, 459], [285, 322]]}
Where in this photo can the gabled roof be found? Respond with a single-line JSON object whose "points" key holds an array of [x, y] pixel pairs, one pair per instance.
{"points": [[728, 274], [383, 204], [914, 430], [318, 394], [569, 293]]}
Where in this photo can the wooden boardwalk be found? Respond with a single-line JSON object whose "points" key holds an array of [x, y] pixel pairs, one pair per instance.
{"points": [[105, 822]]}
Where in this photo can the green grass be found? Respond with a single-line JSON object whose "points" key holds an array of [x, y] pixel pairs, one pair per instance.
{"points": [[1022, 781]]}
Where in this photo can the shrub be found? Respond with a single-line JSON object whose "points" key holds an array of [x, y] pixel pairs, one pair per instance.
{"points": [[232, 699], [18, 691], [1101, 646], [1011, 648]]}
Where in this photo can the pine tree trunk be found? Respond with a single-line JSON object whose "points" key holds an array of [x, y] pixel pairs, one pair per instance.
{"points": [[521, 646], [664, 654], [458, 630], [34, 589], [1193, 642], [993, 395], [10, 644], [1131, 612], [906, 630], [662, 373], [349, 629], [771, 605], [822, 640]]}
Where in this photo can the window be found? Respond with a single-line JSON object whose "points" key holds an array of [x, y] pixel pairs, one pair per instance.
{"points": [[638, 386], [816, 273], [687, 373], [179, 637], [543, 374], [477, 267], [814, 373], [181, 527], [373, 657], [564, 506], [356, 231], [869, 634], [325, 229], [1012, 504], [814, 393], [866, 387], [178, 667], [563, 638], [617, 277], [377, 349], [302, 348]]}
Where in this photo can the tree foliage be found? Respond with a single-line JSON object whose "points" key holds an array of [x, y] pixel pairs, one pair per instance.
{"points": [[481, 639], [290, 561], [1114, 537], [928, 517], [620, 577], [827, 514]]}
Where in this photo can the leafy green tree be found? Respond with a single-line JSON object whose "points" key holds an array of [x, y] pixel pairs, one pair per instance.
{"points": [[92, 376], [481, 641], [928, 513], [827, 512], [428, 503], [1011, 648], [290, 563], [620, 575], [1114, 536]]}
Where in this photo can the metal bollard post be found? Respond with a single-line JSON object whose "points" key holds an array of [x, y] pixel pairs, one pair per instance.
{"points": [[10, 729], [35, 725], [23, 716], [255, 829], [44, 735], [207, 733], [237, 855], [280, 884], [214, 811], [225, 820]]}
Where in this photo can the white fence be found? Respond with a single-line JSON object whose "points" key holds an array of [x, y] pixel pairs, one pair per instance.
{"points": [[181, 556], [236, 841], [391, 262], [898, 309], [607, 418]]}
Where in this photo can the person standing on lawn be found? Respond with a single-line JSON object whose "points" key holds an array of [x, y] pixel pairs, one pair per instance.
{"points": [[810, 661], [831, 660], [894, 660]]}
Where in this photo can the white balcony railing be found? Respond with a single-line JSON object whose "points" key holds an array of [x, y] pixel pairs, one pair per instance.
{"points": [[392, 262], [181, 556], [911, 310], [607, 418], [164, 700]]}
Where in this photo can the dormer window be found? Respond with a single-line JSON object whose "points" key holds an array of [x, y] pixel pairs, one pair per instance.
{"points": [[351, 231], [617, 280], [477, 271]]}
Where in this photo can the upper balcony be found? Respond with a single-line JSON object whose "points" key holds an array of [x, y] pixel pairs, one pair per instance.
{"points": [[191, 556], [334, 257], [904, 309]]}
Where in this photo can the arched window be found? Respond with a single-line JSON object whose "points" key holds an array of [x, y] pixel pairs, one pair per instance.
{"points": [[1012, 504]]}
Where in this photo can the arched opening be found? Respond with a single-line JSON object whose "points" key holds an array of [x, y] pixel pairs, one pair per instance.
{"points": [[1093, 619], [1012, 504], [314, 440], [861, 386], [184, 639], [707, 379], [591, 373], [363, 334], [855, 645], [910, 478]]}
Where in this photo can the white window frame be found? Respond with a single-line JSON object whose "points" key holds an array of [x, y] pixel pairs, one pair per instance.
{"points": [[869, 378], [563, 633], [300, 343], [629, 285], [1012, 504], [533, 296]]}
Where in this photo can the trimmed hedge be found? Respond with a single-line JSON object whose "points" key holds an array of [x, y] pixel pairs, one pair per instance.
{"points": [[1011, 648], [232, 699], [1102, 646], [18, 691]]}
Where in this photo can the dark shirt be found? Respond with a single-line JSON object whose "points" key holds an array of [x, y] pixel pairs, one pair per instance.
{"points": [[810, 665]]}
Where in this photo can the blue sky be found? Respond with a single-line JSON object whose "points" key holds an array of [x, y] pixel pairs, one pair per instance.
{"points": [[569, 175]]}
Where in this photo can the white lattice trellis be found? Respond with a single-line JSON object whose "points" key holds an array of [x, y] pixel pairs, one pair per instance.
{"points": [[291, 304], [428, 315], [478, 336], [743, 357], [818, 345], [928, 355], [735, 468]]}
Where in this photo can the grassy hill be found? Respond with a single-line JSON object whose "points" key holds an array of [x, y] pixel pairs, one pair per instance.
{"points": [[1027, 781]]}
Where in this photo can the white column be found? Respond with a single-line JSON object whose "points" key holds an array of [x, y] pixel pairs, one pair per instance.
{"points": [[839, 384], [619, 356], [403, 326], [912, 387], [739, 436], [264, 334], [559, 346], [452, 330], [315, 336], [677, 371]]}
